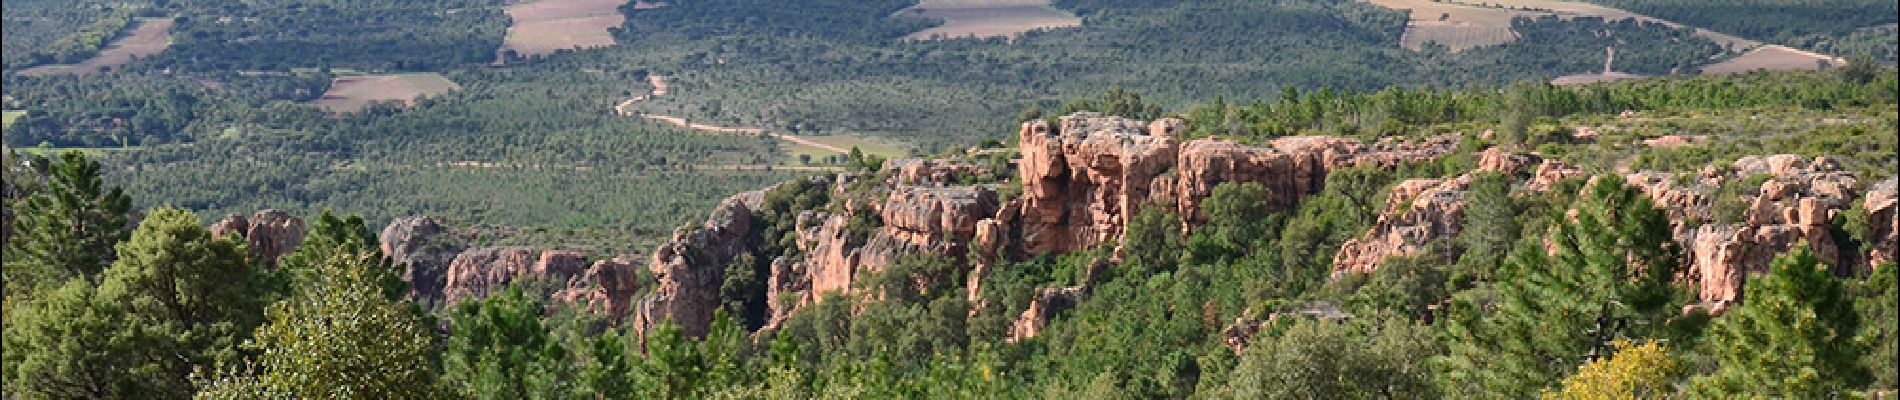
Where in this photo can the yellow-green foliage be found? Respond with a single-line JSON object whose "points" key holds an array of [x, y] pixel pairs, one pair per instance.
{"points": [[1635, 371]]}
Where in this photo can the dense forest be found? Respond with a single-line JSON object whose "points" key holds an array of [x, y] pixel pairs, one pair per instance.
{"points": [[1489, 313], [1773, 21], [62, 32], [367, 35]]}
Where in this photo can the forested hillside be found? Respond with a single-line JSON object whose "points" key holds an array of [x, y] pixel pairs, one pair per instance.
{"points": [[1774, 21], [244, 86], [1535, 241], [755, 199]]}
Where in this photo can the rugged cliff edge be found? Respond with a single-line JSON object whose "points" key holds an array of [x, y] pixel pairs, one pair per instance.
{"points": [[1081, 180]]}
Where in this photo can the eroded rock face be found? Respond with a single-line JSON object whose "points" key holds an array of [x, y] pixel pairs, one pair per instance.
{"points": [[423, 248], [1796, 206], [606, 287], [1417, 211], [940, 221], [1043, 308], [932, 172], [477, 271], [1883, 223], [690, 267], [1082, 180], [270, 234]]}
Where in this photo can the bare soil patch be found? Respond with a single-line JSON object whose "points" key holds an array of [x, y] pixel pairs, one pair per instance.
{"points": [[1773, 57], [541, 27], [151, 36], [1577, 8], [987, 18], [351, 93]]}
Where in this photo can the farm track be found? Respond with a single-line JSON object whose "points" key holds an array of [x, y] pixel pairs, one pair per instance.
{"points": [[660, 88]]}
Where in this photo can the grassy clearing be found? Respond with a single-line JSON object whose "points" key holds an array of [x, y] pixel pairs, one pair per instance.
{"points": [[987, 18], [817, 154], [7, 117], [90, 151], [150, 37], [351, 93], [541, 27]]}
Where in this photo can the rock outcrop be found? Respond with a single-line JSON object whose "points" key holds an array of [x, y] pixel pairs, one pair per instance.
{"points": [[690, 267], [423, 248], [270, 234], [1883, 223], [478, 272], [1043, 308], [1082, 180], [441, 270], [932, 172], [940, 221], [607, 287], [1417, 211], [1795, 206]]}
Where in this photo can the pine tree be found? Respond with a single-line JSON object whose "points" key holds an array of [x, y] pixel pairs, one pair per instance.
{"points": [[1791, 338], [1601, 275], [192, 293], [499, 349], [68, 228], [64, 345], [341, 337], [1490, 224], [330, 234], [1879, 309]]}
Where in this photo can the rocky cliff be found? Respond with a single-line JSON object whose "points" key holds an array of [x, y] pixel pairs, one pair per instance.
{"points": [[1082, 179], [1085, 176], [1418, 211], [1795, 202], [269, 233], [442, 269], [691, 266], [423, 249]]}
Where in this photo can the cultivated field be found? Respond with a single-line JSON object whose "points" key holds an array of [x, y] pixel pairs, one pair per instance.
{"points": [[987, 18], [1457, 27], [541, 27], [150, 37], [1464, 24], [1772, 57], [1577, 8], [351, 93]]}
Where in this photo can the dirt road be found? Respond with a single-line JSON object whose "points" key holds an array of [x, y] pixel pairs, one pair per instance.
{"points": [[660, 89]]}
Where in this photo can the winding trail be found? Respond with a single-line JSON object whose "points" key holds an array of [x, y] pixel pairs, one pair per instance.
{"points": [[660, 88]]}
